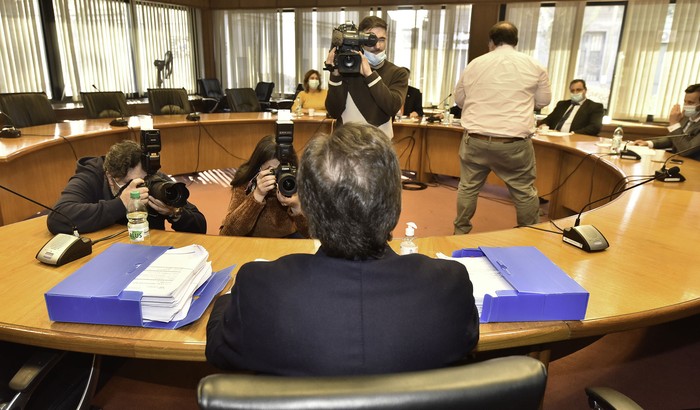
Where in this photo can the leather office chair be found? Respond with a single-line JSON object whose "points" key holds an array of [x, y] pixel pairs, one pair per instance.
{"points": [[515, 382], [213, 97], [263, 91], [105, 104], [242, 100], [605, 398], [165, 101], [27, 109]]}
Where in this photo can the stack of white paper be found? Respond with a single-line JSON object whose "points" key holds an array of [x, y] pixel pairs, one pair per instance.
{"points": [[486, 280], [169, 283]]}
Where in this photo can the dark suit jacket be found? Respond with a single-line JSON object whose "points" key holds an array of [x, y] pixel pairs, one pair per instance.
{"points": [[588, 119], [318, 315], [681, 144], [414, 102]]}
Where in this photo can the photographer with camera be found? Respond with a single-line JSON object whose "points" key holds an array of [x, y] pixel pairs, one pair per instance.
{"points": [[257, 207], [97, 195], [364, 86]]}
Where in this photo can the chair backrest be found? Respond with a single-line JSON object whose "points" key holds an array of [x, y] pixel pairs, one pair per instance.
{"points": [[165, 101], [27, 109], [242, 100], [515, 382], [210, 88], [263, 91], [105, 104]]}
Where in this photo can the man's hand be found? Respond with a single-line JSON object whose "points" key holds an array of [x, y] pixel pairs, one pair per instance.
{"points": [[365, 68], [676, 115], [644, 143], [330, 60], [134, 185], [292, 202], [158, 206]]}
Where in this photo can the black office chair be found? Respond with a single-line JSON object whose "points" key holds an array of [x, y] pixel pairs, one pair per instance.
{"points": [[27, 109], [515, 382], [264, 92], [242, 100], [105, 104], [605, 398], [213, 98], [165, 101]]}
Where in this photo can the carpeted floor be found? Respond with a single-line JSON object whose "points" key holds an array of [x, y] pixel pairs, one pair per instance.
{"points": [[658, 367]]}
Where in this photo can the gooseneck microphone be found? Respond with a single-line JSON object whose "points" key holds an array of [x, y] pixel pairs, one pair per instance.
{"points": [[588, 237], [9, 130], [119, 121], [628, 154], [673, 174], [62, 248]]}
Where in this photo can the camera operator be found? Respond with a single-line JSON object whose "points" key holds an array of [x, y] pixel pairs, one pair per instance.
{"points": [[377, 92], [257, 208], [96, 196]]}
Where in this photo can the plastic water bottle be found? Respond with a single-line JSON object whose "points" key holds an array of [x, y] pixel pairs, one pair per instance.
{"points": [[407, 244], [138, 219], [299, 112], [446, 114], [616, 140]]}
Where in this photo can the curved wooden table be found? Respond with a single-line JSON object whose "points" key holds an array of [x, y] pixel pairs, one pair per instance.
{"points": [[647, 276]]}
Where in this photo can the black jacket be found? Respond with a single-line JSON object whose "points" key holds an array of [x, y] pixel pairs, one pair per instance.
{"points": [[318, 315], [588, 119], [88, 201]]}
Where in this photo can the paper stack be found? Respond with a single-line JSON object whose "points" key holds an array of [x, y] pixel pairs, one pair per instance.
{"points": [[484, 276], [169, 282]]}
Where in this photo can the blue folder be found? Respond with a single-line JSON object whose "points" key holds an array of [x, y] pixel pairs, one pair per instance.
{"points": [[95, 292], [541, 290]]}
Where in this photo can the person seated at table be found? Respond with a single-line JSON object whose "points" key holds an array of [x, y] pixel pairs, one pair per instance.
{"points": [[413, 104], [354, 307], [685, 121], [313, 96], [577, 114], [97, 195], [257, 208]]}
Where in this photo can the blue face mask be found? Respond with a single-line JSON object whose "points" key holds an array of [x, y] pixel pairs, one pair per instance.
{"points": [[375, 59], [690, 110]]}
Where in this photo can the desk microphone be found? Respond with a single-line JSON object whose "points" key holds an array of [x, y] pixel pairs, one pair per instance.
{"points": [[62, 248], [193, 115], [673, 174], [588, 237], [117, 122], [434, 117], [628, 154], [9, 130]]}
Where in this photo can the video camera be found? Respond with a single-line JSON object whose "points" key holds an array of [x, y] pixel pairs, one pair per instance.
{"points": [[286, 173], [345, 39], [171, 193]]}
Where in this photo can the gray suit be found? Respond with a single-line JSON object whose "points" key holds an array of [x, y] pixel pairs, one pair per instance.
{"points": [[681, 144]]}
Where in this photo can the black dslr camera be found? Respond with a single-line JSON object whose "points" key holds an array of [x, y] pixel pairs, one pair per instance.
{"points": [[345, 39], [171, 193], [286, 173]]}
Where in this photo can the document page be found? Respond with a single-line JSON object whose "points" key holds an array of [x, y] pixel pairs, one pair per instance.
{"points": [[170, 271], [485, 278]]}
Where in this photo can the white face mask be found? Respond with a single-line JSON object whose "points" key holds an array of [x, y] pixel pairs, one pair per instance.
{"points": [[577, 98], [313, 84], [375, 59], [690, 110]]}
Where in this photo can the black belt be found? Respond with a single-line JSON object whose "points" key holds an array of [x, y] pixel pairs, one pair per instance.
{"points": [[503, 140]]}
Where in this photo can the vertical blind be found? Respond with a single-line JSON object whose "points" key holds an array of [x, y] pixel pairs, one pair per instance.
{"points": [[23, 64]]}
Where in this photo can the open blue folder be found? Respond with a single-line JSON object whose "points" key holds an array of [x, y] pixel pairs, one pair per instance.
{"points": [[541, 290], [95, 292]]}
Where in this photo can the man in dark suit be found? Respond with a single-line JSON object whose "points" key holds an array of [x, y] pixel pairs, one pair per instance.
{"points": [[577, 114], [413, 106], [354, 307], [682, 121]]}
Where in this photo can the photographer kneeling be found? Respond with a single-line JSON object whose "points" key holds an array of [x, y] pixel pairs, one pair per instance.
{"points": [[257, 208], [96, 196]]}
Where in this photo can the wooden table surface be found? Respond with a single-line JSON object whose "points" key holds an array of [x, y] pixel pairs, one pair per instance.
{"points": [[649, 274]]}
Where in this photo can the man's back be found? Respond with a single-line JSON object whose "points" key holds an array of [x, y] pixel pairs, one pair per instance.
{"points": [[318, 315], [499, 91]]}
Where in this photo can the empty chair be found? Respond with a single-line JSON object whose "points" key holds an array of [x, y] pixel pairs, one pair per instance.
{"points": [[213, 98], [27, 109], [263, 91], [242, 100], [164, 101], [605, 398], [515, 382], [105, 104]]}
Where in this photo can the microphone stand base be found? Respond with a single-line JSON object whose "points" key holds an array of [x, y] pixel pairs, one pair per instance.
{"points": [[10, 132], [585, 237], [119, 122]]}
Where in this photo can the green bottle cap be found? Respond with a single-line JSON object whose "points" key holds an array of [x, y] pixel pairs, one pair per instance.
{"points": [[135, 194]]}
